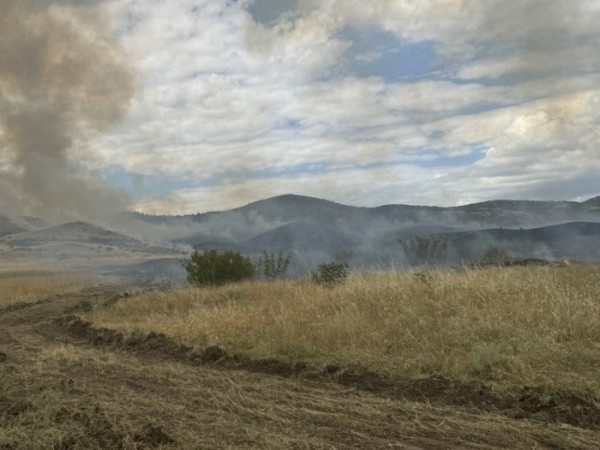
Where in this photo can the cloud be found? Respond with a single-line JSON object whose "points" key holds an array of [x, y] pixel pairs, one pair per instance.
{"points": [[239, 109]]}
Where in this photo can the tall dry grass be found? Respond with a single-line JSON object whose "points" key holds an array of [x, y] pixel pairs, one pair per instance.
{"points": [[28, 287], [507, 325]]}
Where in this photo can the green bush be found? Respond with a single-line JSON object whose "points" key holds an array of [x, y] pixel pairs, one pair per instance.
{"points": [[330, 273], [212, 268]]}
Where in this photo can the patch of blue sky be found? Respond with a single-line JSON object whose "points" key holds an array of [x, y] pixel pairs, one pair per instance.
{"points": [[293, 124], [379, 53]]}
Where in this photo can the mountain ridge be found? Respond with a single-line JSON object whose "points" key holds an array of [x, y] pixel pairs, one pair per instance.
{"points": [[315, 230]]}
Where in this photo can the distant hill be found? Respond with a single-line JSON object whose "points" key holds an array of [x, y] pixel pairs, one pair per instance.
{"points": [[35, 222], [76, 237], [265, 215], [593, 203], [302, 236], [7, 226], [75, 232], [575, 240], [314, 229]]}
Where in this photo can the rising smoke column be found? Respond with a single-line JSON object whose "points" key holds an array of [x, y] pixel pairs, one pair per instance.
{"points": [[62, 80]]}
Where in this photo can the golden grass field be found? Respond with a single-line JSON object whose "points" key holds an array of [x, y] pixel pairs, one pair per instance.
{"points": [[33, 286], [505, 326], [510, 328]]}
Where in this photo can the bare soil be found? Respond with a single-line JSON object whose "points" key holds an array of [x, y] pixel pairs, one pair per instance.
{"points": [[67, 385]]}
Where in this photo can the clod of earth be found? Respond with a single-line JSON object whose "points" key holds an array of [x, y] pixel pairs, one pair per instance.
{"points": [[213, 353], [332, 368]]}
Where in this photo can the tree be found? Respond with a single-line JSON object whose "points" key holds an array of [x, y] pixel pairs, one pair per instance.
{"points": [[425, 249], [330, 274], [274, 267], [212, 268]]}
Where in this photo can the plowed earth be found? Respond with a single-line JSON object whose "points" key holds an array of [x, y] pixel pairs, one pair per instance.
{"points": [[67, 385]]}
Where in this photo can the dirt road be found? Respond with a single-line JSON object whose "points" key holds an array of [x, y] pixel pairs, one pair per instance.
{"points": [[63, 386]]}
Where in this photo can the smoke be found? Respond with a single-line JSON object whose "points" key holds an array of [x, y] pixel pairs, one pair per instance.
{"points": [[63, 80]]}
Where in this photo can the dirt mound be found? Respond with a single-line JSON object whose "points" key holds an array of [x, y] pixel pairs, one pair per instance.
{"points": [[434, 388], [530, 402], [561, 406], [103, 337], [541, 403], [213, 353]]}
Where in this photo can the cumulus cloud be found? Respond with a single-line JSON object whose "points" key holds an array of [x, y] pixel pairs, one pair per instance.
{"points": [[241, 109]]}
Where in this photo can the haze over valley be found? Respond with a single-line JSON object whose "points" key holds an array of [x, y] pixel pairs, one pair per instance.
{"points": [[314, 231]]}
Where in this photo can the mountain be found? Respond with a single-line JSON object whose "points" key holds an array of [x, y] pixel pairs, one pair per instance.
{"points": [[575, 240], [7, 226], [86, 247], [593, 203], [75, 232], [299, 236], [264, 215], [314, 229]]}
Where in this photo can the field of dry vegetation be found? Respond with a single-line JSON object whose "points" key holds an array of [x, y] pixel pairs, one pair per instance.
{"points": [[445, 359], [503, 326], [34, 285]]}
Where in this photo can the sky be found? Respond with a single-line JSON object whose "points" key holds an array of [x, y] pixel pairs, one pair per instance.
{"points": [[363, 102]]}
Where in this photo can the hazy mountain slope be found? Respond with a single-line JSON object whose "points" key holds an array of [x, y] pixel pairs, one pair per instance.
{"points": [[34, 223], [75, 232], [242, 224], [7, 226], [593, 203], [299, 236], [315, 229], [576, 240]]}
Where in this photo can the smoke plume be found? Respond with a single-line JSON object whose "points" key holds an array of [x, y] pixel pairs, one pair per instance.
{"points": [[63, 79]]}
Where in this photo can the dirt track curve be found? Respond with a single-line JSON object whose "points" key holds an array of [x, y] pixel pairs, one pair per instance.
{"points": [[64, 385]]}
